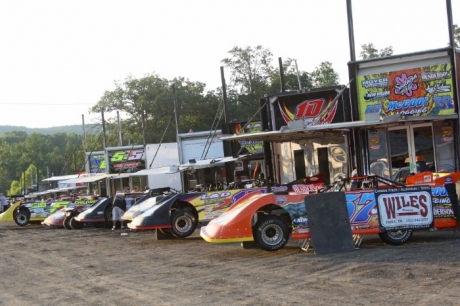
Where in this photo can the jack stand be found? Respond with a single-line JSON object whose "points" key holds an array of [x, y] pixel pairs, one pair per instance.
{"points": [[304, 245], [357, 239]]}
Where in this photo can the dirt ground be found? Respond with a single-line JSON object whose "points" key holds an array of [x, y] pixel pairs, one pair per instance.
{"points": [[93, 266]]}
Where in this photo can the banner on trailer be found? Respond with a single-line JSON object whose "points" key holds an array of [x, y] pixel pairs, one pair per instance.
{"points": [[421, 91]]}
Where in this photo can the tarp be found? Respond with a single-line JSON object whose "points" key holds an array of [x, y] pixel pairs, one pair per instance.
{"points": [[60, 178]]}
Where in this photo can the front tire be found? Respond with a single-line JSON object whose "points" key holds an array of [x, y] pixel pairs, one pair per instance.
{"points": [[183, 223], [108, 218], [22, 217], [271, 233], [397, 237]]}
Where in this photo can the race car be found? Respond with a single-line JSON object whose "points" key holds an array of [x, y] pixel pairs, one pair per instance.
{"points": [[179, 215], [31, 212], [65, 217], [142, 206], [100, 214], [391, 210]]}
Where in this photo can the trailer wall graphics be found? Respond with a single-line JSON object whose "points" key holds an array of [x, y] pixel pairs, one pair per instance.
{"points": [[312, 107], [95, 162], [126, 160], [405, 208], [419, 91], [251, 146]]}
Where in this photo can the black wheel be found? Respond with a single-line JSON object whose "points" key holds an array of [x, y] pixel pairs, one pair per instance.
{"points": [[108, 218], [167, 232], [74, 224], [397, 237], [66, 223], [183, 223], [271, 233], [98, 224], [22, 217]]}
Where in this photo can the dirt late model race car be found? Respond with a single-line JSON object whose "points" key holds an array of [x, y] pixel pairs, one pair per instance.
{"points": [[23, 213], [100, 214], [179, 215], [393, 211], [65, 217]]}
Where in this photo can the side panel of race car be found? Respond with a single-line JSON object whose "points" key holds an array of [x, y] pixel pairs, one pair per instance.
{"points": [[207, 206], [95, 213], [8, 215]]}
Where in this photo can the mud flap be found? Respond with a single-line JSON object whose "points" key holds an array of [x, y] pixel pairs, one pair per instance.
{"points": [[329, 222], [160, 235]]}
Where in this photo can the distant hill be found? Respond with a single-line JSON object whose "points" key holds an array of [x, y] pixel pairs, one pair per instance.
{"points": [[76, 129]]}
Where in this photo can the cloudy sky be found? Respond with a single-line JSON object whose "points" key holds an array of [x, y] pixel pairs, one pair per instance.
{"points": [[58, 57]]}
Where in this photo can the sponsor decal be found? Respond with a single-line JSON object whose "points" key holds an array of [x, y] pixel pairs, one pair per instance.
{"points": [[375, 83], [405, 208], [427, 178], [280, 200], [301, 189]]}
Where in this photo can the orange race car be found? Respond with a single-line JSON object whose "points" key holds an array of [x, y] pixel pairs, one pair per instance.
{"points": [[381, 207]]}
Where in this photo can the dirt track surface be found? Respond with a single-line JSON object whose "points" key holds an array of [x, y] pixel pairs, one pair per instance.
{"points": [[99, 267]]}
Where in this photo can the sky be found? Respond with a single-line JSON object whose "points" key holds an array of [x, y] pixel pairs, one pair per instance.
{"points": [[58, 57]]}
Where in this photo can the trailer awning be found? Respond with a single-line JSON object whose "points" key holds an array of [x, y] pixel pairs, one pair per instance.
{"points": [[297, 131], [208, 163], [160, 170], [86, 178]]}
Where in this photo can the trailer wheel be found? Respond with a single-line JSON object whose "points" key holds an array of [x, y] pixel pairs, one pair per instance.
{"points": [[397, 237], [74, 224], [66, 223], [22, 217], [183, 223], [271, 233]]}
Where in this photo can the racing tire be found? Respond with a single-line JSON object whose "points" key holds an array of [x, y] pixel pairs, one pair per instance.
{"points": [[108, 217], [271, 233], [183, 223], [22, 217], [397, 237], [66, 223], [74, 224], [167, 232]]}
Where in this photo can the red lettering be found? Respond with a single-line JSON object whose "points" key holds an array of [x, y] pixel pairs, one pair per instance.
{"points": [[423, 204], [389, 207], [413, 200], [309, 109]]}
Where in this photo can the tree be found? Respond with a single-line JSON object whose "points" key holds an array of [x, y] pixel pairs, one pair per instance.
{"points": [[324, 75], [369, 51], [250, 77], [291, 81], [457, 35]]}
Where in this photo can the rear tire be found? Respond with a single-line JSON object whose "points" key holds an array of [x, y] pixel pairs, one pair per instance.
{"points": [[22, 217], [108, 218], [397, 237], [74, 224], [183, 223], [66, 223], [271, 233]]}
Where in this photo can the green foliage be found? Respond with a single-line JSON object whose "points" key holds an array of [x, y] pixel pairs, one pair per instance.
{"points": [[324, 75], [457, 35], [369, 51]]}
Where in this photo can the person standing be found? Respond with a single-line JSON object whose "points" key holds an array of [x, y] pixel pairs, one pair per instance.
{"points": [[3, 202], [118, 209]]}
